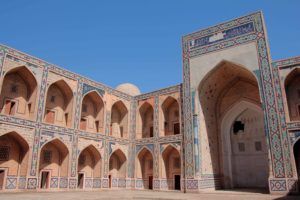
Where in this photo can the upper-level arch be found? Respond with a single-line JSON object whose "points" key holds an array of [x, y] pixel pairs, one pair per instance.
{"points": [[170, 116], [18, 93], [92, 113], [292, 90], [59, 104], [119, 120], [145, 121]]}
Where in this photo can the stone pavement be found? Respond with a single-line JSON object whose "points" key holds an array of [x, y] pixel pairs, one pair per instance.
{"points": [[143, 195]]}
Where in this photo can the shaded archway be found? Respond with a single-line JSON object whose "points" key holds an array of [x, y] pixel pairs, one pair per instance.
{"points": [[117, 166], [232, 121], [243, 141], [296, 150], [92, 113], [292, 89], [53, 164], [18, 93], [171, 168], [144, 168], [59, 104], [146, 119], [119, 120], [14, 153], [89, 165], [170, 108]]}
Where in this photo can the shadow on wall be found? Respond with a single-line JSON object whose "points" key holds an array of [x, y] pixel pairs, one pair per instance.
{"points": [[225, 86]]}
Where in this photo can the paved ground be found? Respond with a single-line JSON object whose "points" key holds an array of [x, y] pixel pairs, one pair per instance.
{"points": [[143, 195]]}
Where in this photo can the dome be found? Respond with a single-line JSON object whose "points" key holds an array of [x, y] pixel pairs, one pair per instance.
{"points": [[129, 88]]}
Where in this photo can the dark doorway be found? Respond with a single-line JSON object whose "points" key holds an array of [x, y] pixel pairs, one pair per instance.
{"points": [[80, 180], [151, 131], [177, 182], [44, 180], [2, 176], [176, 129], [150, 182], [109, 181], [297, 157]]}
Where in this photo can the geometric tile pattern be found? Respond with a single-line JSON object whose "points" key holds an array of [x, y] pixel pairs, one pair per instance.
{"points": [[278, 185], [22, 183], [96, 183], [281, 135], [54, 182], [11, 183], [63, 182], [246, 29]]}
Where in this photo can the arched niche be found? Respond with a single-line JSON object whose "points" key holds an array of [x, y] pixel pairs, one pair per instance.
{"points": [[292, 90], [170, 117], [119, 120], [53, 163], [296, 150], [18, 93], [92, 113], [89, 165], [225, 86], [171, 167], [59, 104], [117, 164], [145, 121], [14, 155], [144, 168]]}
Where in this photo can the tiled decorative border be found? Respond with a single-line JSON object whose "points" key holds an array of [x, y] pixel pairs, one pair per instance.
{"points": [[276, 135]]}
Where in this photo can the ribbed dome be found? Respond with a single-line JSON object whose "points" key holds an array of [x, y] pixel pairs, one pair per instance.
{"points": [[129, 88]]}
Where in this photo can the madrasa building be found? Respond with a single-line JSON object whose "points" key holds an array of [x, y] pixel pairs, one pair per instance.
{"points": [[234, 122]]}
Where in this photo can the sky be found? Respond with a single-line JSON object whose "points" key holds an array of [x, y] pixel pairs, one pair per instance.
{"points": [[134, 41]]}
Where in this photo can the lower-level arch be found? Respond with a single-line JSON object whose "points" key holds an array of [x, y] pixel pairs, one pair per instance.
{"points": [[117, 166], [296, 150], [14, 151], [89, 166], [53, 164], [171, 168], [144, 168]]}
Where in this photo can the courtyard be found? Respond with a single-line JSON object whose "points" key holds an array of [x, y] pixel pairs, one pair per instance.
{"points": [[127, 194]]}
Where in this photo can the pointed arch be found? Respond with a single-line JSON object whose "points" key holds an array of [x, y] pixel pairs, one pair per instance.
{"points": [[53, 161], [93, 148], [19, 93], [223, 88], [171, 167], [15, 155], [119, 120], [171, 116], [117, 164], [292, 90], [241, 70], [89, 164], [144, 148], [144, 167], [232, 160], [92, 113], [59, 104], [146, 115], [296, 154]]}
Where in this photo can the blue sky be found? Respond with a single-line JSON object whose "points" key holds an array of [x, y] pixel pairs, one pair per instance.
{"points": [[133, 41]]}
